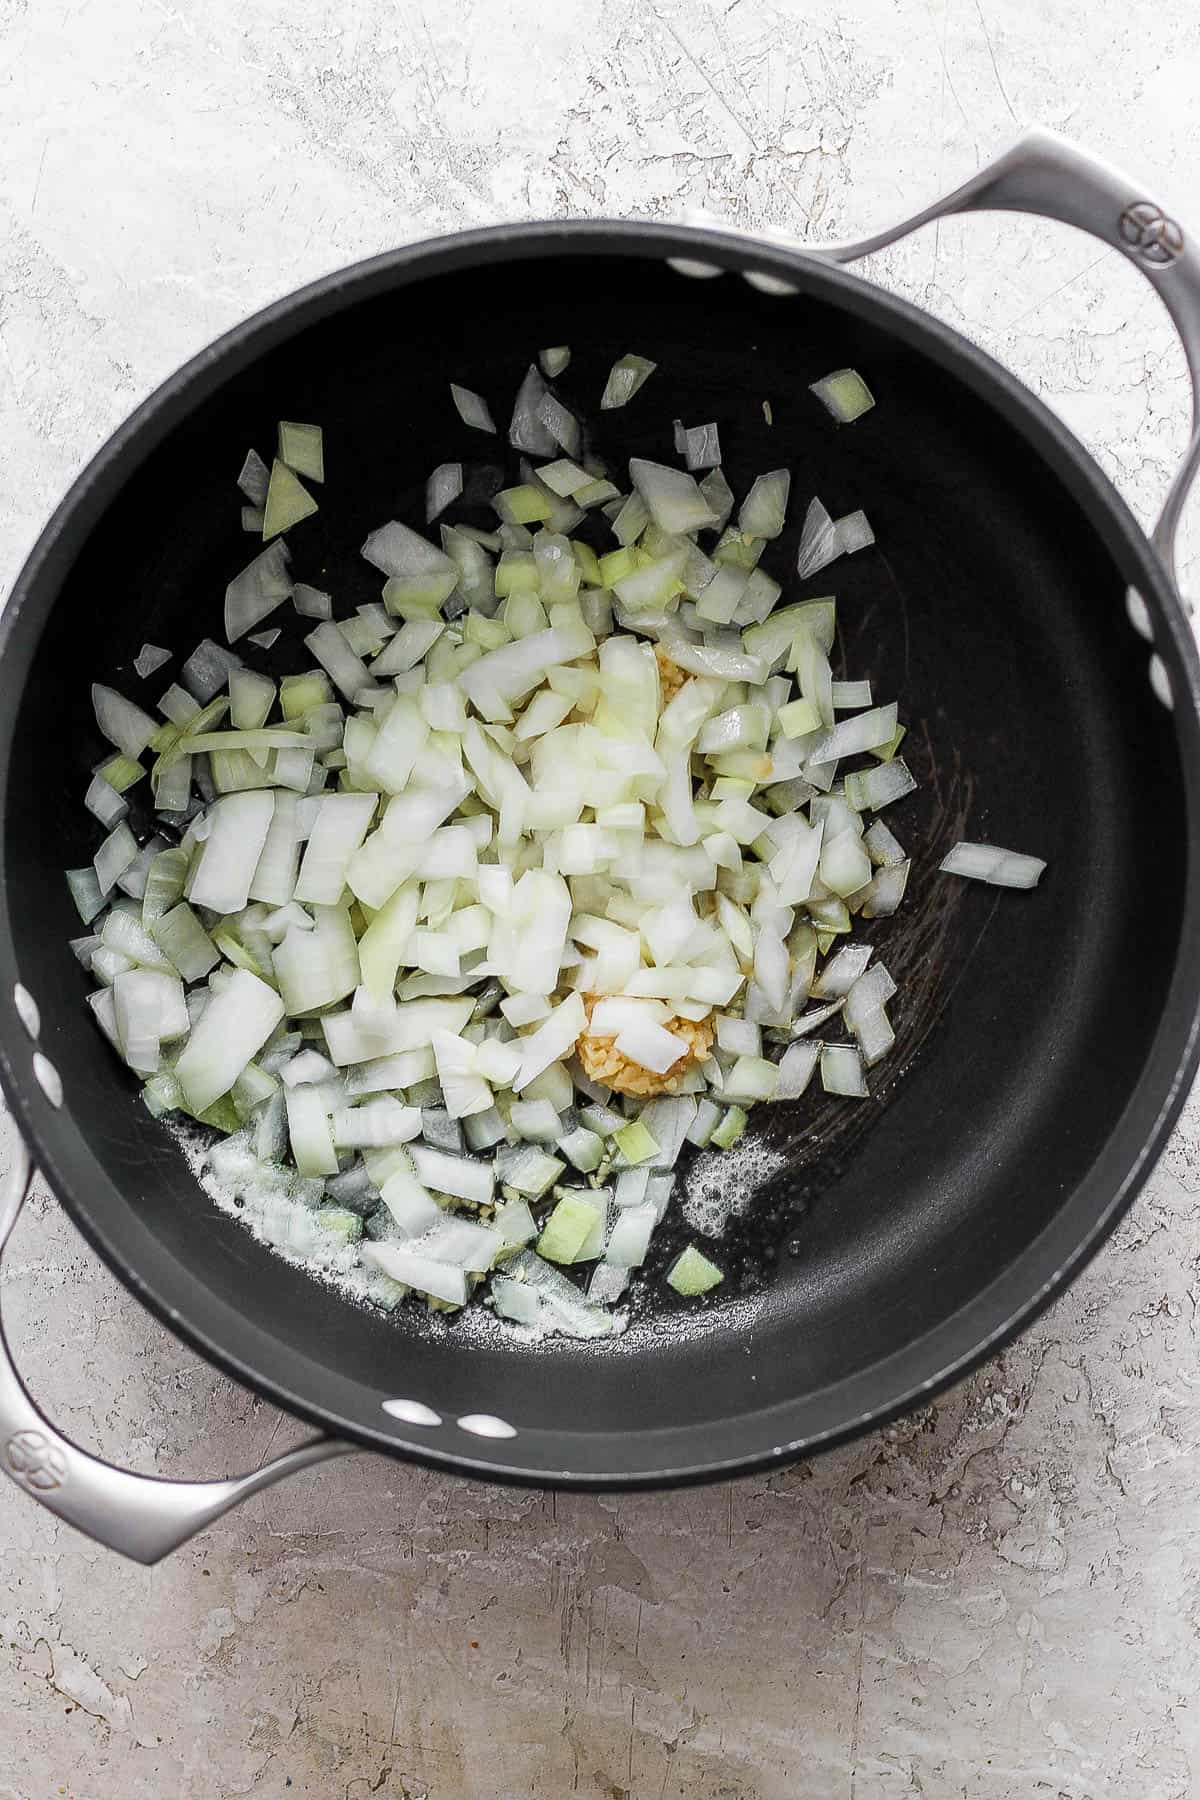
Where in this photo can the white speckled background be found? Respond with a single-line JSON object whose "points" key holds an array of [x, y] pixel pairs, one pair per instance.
{"points": [[998, 1598]]}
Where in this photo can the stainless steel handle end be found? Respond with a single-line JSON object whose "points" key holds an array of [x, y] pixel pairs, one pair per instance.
{"points": [[1047, 175], [141, 1516]]}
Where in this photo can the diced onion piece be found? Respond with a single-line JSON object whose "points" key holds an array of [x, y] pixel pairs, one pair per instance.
{"points": [[879, 787], [423, 1273], [844, 394], [848, 694], [302, 448], [341, 824], [253, 594], [418, 573], [796, 1069], [672, 497], [841, 1071], [348, 672], [561, 423], [526, 430], [149, 658], [459, 1176], [819, 545], [254, 478], [552, 1040], [651, 1046], [764, 510], [692, 1274], [238, 826], [309, 1131], [841, 972], [315, 968], [718, 497], [115, 855], [472, 408], [444, 486], [853, 533], [288, 502], [702, 447], [875, 1036], [987, 862], [626, 376], [104, 803], [569, 1231], [121, 722], [751, 1079], [411, 1205], [630, 1237], [887, 891], [233, 1028]]}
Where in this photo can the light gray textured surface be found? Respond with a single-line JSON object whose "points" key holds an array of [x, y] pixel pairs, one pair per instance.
{"points": [[999, 1597]]}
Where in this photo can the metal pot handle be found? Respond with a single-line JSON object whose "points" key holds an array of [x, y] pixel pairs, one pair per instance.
{"points": [[142, 1516], [1046, 174]]}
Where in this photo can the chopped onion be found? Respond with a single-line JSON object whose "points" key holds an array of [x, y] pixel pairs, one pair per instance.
{"points": [[235, 1025], [701, 447], [209, 666], [526, 430], [673, 498], [764, 509], [149, 658], [121, 722], [986, 862], [650, 1046], [419, 575], [819, 544], [104, 803], [348, 672], [472, 408], [254, 478], [626, 376], [443, 486], [576, 817], [302, 448], [841, 1071], [879, 787], [853, 533], [262, 586], [844, 394], [114, 856], [288, 502]]}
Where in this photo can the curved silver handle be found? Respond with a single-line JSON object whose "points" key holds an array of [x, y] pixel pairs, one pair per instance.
{"points": [[1047, 175], [142, 1516]]}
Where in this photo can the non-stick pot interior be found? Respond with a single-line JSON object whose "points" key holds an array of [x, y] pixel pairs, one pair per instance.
{"points": [[991, 608]]}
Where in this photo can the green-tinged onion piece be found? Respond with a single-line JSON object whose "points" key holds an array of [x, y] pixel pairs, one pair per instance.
{"points": [[302, 448], [288, 501], [844, 394], [626, 376], [692, 1274]]}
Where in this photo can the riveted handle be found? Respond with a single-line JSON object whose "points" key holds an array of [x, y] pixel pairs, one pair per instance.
{"points": [[1047, 175], [141, 1516]]}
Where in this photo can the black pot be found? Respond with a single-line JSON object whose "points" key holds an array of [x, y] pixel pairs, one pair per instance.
{"points": [[1047, 1039]]}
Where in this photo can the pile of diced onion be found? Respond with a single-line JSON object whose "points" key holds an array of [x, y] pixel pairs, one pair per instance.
{"points": [[547, 868]]}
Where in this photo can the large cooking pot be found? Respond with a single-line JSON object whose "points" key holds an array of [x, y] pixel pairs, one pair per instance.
{"points": [[1039, 648]]}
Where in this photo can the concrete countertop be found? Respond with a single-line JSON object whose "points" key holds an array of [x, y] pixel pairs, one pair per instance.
{"points": [[999, 1596]]}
